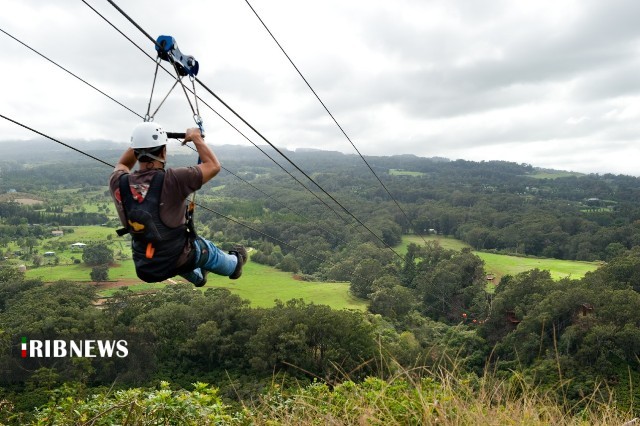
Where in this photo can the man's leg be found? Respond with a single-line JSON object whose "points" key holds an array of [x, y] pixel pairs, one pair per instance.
{"points": [[195, 277], [215, 260], [210, 258]]}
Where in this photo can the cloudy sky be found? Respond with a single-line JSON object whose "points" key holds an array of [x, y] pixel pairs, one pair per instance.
{"points": [[551, 83]]}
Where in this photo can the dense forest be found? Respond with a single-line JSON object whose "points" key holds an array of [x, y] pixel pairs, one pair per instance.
{"points": [[428, 309]]}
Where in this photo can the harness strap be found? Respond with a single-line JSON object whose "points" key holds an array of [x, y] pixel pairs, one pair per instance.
{"points": [[123, 184], [150, 251]]}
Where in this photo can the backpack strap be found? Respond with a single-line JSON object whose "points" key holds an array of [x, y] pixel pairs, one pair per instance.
{"points": [[125, 193]]}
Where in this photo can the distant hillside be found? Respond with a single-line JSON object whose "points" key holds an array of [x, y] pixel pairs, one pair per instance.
{"points": [[43, 150]]}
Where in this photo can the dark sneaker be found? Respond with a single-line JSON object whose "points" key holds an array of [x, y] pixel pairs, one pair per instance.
{"points": [[241, 253], [204, 278]]}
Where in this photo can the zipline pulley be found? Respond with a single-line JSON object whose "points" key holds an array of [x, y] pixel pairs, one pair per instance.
{"points": [[184, 65], [167, 49]]}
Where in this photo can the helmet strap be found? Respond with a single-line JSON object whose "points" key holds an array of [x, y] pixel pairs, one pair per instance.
{"points": [[144, 153]]}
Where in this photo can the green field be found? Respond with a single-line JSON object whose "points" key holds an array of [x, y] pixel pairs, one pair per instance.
{"points": [[400, 172], [500, 264], [85, 234], [446, 242], [553, 174], [80, 272], [260, 284]]}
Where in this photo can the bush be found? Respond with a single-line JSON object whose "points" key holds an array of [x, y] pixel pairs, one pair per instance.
{"points": [[202, 406]]}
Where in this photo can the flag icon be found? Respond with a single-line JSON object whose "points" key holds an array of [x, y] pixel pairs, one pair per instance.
{"points": [[24, 347]]}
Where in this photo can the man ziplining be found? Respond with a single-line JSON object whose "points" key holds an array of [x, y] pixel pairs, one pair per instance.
{"points": [[152, 206]]}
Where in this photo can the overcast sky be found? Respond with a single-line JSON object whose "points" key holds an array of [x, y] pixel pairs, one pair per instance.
{"points": [[551, 83]]}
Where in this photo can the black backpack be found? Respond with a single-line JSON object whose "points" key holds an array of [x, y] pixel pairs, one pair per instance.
{"points": [[156, 247]]}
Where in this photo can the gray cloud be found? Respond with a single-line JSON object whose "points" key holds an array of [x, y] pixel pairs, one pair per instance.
{"points": [[462, 78]]}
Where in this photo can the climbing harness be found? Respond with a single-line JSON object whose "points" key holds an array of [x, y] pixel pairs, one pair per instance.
{"points": [[156, 246]]}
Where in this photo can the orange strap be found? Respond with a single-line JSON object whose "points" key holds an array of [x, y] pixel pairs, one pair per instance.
{"points": [[150, 251]]}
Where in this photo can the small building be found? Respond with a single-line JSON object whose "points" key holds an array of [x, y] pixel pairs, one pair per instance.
{"points": [[57, 233], [22, 268], [49, 253], [78, 246]]}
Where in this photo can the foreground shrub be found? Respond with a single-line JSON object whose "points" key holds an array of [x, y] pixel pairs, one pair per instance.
{"points": [[202, 406]]}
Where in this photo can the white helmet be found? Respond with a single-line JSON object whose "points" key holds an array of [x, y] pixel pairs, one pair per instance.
{"points": [[148, 135]]}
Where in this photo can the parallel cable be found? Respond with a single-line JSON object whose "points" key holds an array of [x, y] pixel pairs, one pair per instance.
{"points": [[264, 234], [297, 213], [299, 169], [205, 103], [331, 115], [218, 114], [264, 138]]}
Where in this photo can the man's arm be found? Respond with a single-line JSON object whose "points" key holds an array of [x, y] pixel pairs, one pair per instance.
{"points": [[209, 166], [126, 162]]}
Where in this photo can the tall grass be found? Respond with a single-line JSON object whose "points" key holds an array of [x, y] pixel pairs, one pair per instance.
{"points": [[406, 397], [437, 397]]}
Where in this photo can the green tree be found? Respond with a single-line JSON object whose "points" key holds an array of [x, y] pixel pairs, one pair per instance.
{"points": [[9, 274], [97, 254], [363, 277], [289, 264], [100, 273], [392, 302]]}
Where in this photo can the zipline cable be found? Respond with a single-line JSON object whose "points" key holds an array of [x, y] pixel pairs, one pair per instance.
{"points": [[221, 117], [146, 34], [264, 138], [132, 111], [332, 117]]}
